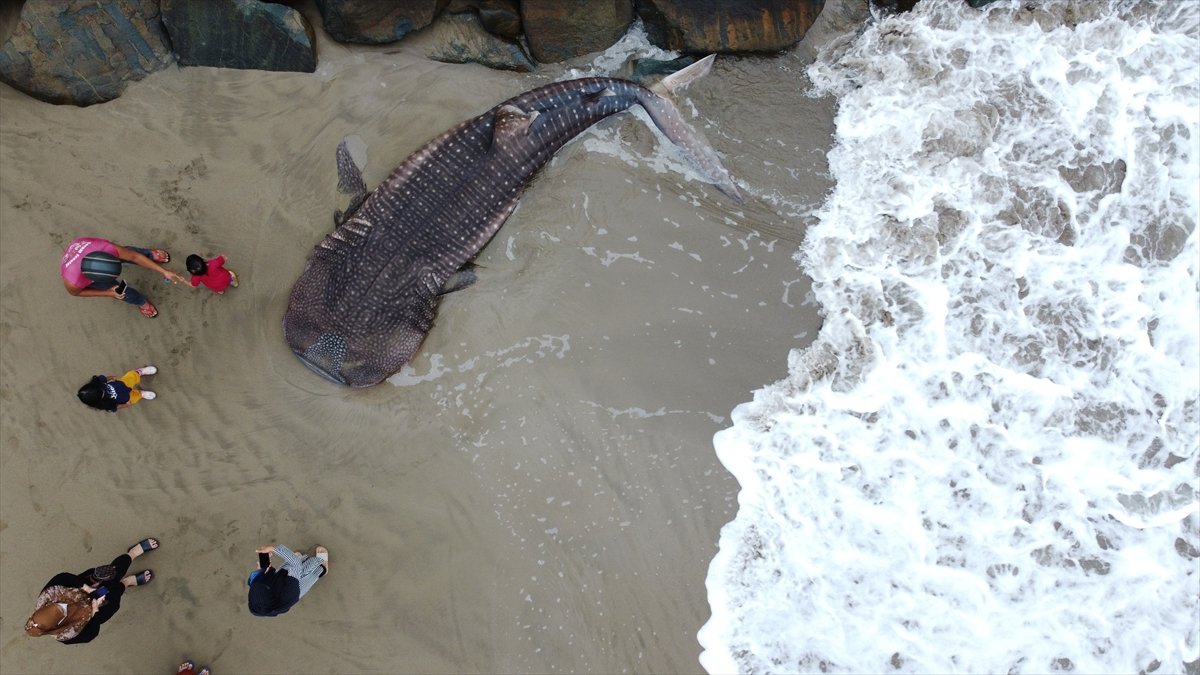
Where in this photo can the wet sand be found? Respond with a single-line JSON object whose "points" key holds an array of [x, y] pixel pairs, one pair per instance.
{"points": [[538, 493]]}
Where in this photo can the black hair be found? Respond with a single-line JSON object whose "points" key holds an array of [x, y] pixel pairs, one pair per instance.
{"points": [[196, 264], [92, 393]]}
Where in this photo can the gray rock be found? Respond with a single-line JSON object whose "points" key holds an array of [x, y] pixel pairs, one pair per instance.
{"points": [[83, 51], [245, 34], [838, 20], [462, 38]]}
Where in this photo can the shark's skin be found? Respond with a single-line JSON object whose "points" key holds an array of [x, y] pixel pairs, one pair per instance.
{"points": [[368, 295]]}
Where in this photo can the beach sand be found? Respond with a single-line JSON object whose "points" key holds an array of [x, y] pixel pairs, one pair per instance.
{"points": [[539, 493]]}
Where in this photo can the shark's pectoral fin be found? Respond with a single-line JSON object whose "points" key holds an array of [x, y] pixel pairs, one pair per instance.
{"points": [[461, 279], [350, 181]]}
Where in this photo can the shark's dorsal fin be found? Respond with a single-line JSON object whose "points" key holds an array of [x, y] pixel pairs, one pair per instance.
{"points": [[512, 121], [350, 180]]}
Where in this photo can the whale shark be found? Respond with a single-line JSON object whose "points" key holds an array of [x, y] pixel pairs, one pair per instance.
{"points": [[369, 292]]}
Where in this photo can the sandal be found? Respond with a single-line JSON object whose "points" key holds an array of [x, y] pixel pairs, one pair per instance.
{"points": [[322, 554], [160, 256], [148, 544], [141, 578], [148, 310], [187, 666]]}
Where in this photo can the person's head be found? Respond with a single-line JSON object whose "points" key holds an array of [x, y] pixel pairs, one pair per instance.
{"points": [[272, 593], [47, 619], [196, 264], [93, 393]]}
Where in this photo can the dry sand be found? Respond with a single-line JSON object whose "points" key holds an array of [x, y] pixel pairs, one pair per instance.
{"points": [[539, 493]]}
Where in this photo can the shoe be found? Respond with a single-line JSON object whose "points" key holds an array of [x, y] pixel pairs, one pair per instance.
{"points": [[147, 370], [233, 280], [148, 395]]}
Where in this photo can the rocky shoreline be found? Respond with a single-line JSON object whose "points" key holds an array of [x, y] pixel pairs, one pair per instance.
{"points": [[84, 52]]}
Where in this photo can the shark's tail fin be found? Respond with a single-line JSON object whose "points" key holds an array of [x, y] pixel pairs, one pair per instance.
{"points": [[667, 118], [683, 77]]}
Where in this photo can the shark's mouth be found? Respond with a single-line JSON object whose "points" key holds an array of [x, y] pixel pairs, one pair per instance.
{"points": [[325, 356]]}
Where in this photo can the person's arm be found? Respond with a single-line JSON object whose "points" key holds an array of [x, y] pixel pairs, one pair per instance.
{"points": [[91, 292], [219, 261], [142, 261], [264, 551]]}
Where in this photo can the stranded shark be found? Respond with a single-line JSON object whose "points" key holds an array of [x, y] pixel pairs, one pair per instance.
{"points": [[369, 293]]}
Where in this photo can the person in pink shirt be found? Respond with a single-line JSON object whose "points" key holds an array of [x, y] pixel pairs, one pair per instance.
{"points": [[211, 273], [91, 268]]}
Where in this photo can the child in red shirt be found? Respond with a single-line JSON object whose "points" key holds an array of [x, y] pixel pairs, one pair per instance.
{"points": [[211, 273]]}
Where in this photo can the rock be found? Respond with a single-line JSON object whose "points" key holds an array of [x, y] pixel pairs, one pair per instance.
{"points": [[838, 19], [707, 26], [376, 21], [461, 38], [83, 51], [557, 30], [245, 34], [499, 17]]}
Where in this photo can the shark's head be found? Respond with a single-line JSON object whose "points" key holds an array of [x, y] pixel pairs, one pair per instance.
{"points": [[355, 339]]}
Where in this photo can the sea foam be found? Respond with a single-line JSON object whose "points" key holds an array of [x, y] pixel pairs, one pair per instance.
{"points": [[987, 461]]}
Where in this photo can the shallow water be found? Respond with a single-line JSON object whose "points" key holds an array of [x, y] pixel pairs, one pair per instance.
{"points": [[987, 462]]}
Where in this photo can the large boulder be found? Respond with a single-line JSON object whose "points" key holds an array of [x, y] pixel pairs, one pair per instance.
{"points": [[83, 51], [707, 26], [499, 17], [376, 21], [245, 34], [557, 30], [462, 38]]}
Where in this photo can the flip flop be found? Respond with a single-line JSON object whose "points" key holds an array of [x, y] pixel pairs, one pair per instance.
{"points": [[160, 256], [148, 544], [188, 665], [148, 310], [203, 671]]}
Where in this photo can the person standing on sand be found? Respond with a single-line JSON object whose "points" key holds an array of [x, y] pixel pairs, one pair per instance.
{"points": [[72, 607], [275, 591], [211, 273], [91, 268], [111, 393]]}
